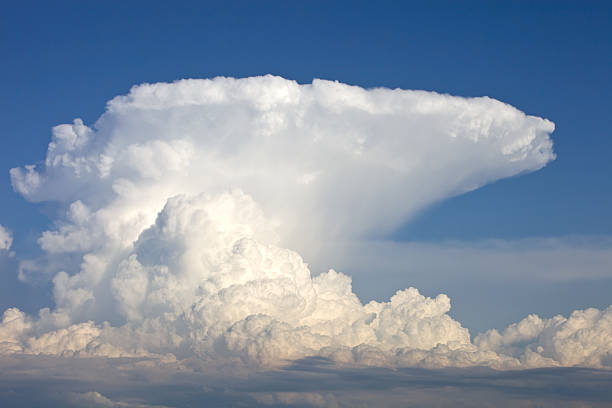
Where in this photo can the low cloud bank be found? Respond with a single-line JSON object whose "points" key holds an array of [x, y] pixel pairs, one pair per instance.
{"points": [[540, 259], [315, 382], [182, 199]]}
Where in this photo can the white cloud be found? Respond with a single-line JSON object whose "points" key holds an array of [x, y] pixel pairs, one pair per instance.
{"points": [[308, 399], [182, 198], [6, 239], [327, 160], [94, 399], [581, 339], [199, 283]]}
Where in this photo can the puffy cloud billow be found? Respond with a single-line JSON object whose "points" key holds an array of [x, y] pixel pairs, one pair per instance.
{"points": [[182, 199]]}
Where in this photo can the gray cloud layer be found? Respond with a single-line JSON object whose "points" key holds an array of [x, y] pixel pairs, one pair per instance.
{"points": [[70, 382]]}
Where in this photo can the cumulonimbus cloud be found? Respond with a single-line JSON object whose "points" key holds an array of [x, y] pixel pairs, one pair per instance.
{"points": [[326, 160], [181, 200]]}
